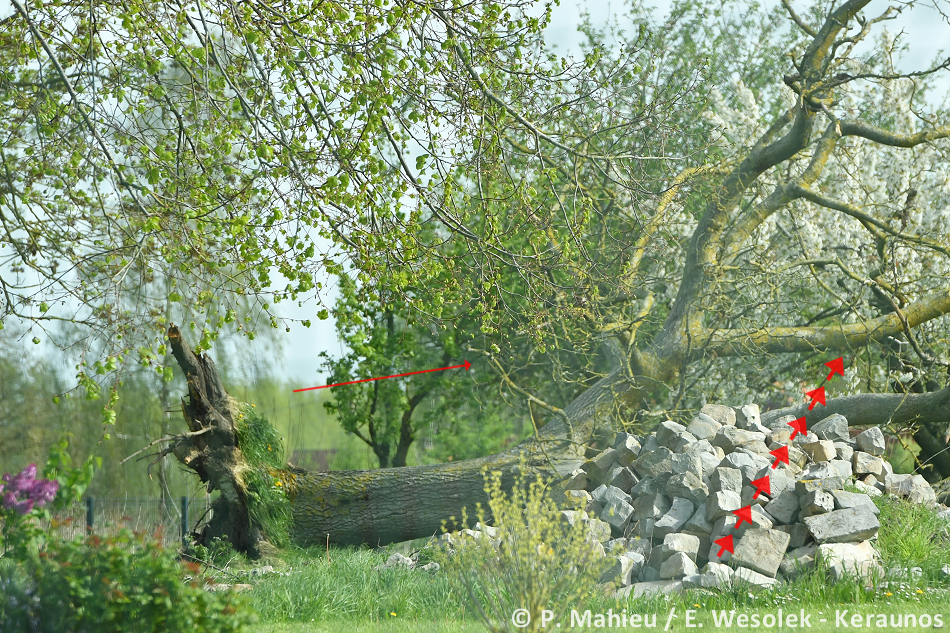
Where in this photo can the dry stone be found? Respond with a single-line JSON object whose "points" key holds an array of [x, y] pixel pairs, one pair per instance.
{"points": [[867, 464], [704, 427], [834, 428], [628, 448], [871, 441], [623, 478], [688, 486], [844, 468], [651, 506], [668, 431], [798, 560], [653, 463], [686, 543], [797, 532], [674, 519], [729, 438], [725, 479], [760, 550], [748, 415], [687, 463], [914, 488], [577, 498], [745, 577], [675, 492], [844, 451], [784, 507], [617, 513], [820, 451], [851, 559], [721, 504], [677, 566], [722, 414], [844, 500], [843, 526], [816, 502]]}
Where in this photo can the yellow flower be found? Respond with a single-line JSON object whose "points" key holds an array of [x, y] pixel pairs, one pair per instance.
{"points": [[279, 483], [920, 591], [888, 594], [392, 613]]}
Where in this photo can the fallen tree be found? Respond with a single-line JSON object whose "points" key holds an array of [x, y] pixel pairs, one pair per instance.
{"points": [[389, 505]]}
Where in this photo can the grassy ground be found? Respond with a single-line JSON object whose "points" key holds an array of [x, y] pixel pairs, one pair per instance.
{"points": [[346, 593]]}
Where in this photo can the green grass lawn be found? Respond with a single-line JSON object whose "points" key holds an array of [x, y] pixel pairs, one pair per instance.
{"points": [[347, 594]]}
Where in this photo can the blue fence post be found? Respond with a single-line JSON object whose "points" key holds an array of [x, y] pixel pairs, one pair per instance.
{"points": [[184, 520], [90, 514]]}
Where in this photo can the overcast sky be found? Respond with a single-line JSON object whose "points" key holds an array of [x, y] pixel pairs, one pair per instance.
{"points": [[925, 30]]}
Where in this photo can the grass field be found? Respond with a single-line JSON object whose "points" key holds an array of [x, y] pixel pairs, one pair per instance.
{"points": [[347, 594]]}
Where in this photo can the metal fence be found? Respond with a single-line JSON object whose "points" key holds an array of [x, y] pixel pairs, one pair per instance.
{"points": [[168, 521]]}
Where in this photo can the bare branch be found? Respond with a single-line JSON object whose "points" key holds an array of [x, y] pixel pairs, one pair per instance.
{"points": [[801, 24], [893, 139], [801, 339]]}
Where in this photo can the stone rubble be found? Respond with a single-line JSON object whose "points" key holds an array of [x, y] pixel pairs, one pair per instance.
{"points": [[657, 505]]}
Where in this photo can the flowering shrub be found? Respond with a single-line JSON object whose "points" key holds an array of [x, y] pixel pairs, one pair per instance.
{"points": [[23, 498], [23, 491]]}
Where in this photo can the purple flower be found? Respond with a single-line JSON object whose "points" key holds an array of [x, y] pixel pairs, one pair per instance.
{"points": [[44, 491], [34, 492], [23, 507]]}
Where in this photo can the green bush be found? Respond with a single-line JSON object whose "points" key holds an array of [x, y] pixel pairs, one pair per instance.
{"points": [[123, 583], [263, 450], [537, 560], [913, 535]]}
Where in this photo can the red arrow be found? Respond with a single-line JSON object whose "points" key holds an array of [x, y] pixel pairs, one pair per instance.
{"points": [[836, 366], [466, 365], [816, 395], [780, 454], [725, 545], [744, 514], [798, 426], [763, 484]]}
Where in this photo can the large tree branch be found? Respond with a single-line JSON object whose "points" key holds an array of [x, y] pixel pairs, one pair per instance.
{"points": [[779, 340], [893, 139], [874, 409]]}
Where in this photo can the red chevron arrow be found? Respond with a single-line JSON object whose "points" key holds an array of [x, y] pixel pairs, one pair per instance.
{"points": [[836, 366], [725, 545], [763, 484], [744, 514], [816, 395], [798, 426], [780, 454]]}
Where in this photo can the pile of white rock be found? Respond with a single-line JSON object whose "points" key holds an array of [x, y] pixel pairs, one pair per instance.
{"points": [[659, 504]]}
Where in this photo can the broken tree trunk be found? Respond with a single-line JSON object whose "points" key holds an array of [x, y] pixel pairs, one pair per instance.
{"points": [[390, 505], [210, 448]]}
